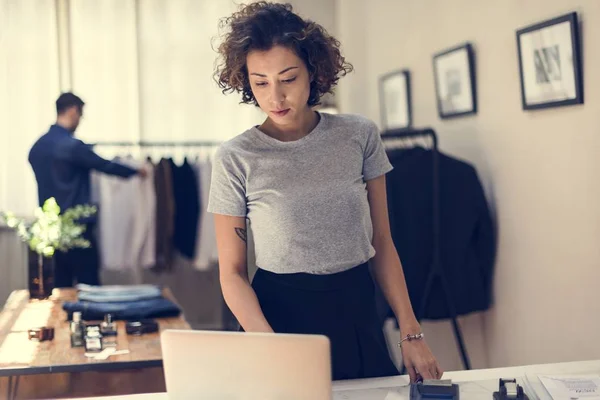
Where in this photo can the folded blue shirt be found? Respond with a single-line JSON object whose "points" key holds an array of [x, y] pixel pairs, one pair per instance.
{"points": [[124, 310], [117, 293]]}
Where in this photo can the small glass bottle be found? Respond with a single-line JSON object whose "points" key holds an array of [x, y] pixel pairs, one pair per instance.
{"points": [[93, 339], [108, 329], [76, 330]]}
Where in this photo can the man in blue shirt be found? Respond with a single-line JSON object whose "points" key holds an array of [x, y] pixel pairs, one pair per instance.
{"points": [[62, 165]]}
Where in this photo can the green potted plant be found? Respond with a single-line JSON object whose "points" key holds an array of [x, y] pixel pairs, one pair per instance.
{"points": [[48, 232]]}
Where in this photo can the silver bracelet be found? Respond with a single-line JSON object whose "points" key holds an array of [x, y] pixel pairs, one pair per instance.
{"points": [[418, 336]]}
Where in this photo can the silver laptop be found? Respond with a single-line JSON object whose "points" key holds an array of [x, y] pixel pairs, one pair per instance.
{"points": [[246, 366]]}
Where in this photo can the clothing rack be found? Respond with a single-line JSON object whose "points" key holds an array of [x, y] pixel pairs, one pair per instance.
{"points": [[160, 144], [437, 271]]}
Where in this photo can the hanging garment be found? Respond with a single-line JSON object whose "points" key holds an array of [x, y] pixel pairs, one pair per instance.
{"points": [[126, 221], [165, 215], [467, 241], [206, 241], [187, 208]]}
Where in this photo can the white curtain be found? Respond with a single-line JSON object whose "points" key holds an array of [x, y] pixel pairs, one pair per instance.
{"points": [[143, 67], [179, 99], [105, 69], [29, 83]]}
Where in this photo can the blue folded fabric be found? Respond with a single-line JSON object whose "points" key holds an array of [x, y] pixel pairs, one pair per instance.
{"points": [[116, 298], [117, 293], [126, 310], [82, 287]]}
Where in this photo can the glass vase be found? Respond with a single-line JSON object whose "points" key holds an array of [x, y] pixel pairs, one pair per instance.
{"points": [[40, 275]]}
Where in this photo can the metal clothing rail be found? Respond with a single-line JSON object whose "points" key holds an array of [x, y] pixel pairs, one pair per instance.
{"points": [[437, 271], [160, 144]]}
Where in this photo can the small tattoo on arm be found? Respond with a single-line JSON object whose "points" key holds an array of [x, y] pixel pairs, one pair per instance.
{"points": [[241, 232]]}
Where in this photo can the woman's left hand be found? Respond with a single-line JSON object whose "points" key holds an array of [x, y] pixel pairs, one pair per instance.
{"points": [[419, 360]]}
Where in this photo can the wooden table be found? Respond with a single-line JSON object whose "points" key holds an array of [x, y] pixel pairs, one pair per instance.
{"points": [[33, 370]]}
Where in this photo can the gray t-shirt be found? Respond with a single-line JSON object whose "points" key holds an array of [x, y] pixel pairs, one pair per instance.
{"points": [[306, 199]]}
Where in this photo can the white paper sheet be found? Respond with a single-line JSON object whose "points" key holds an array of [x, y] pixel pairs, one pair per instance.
{"points": [[395, 395], [571, 387], [367, 394], [398, 393]]}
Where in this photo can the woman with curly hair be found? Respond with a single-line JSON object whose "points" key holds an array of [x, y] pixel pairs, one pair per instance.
{"points": [[312, 188]]}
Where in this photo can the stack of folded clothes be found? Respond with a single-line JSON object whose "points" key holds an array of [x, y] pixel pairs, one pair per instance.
{"points": [[123, 302]]}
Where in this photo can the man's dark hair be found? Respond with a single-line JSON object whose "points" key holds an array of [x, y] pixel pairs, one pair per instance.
{"points": [[67, 100]]}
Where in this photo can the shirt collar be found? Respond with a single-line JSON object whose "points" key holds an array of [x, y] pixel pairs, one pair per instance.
{"points": [[59, 129]]}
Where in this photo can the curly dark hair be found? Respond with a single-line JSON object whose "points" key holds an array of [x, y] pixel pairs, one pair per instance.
{"points": [[263, 25]]}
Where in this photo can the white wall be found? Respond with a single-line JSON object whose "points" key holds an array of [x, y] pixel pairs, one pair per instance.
{"points": [[321, 11], [540, 169], [351, 31]]}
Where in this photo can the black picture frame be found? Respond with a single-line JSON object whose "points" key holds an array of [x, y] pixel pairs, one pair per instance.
{"points": [[401, 116], [549, 70], [455, 86]]}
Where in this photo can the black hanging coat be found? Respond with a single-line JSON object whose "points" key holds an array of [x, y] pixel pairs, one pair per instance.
{"points": [[467, 242]]}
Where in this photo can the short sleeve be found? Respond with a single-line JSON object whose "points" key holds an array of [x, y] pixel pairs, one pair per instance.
{"points": [[227, 187], [375, 162]]}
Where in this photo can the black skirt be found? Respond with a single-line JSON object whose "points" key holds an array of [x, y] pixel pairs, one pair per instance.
{"points": [[340, 306]]}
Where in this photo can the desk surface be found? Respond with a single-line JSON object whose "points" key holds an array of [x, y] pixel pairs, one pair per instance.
{"points": [[20, 356], [486, 380]]}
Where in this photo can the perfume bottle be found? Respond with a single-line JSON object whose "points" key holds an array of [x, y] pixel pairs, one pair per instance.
{"points": [[108, 327], [77, 330], [93, 339]]}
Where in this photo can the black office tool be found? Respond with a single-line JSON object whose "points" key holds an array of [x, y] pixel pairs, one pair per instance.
{"points": [[509, 389], [434, 390], [141, 327]]}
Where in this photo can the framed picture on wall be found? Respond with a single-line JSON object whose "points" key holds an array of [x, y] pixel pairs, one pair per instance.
{"points": [[454, 74], [394, 95], [550, 63]]}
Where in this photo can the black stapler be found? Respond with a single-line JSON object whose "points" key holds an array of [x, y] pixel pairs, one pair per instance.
{"points": [[510, 390], [434, 389]]}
